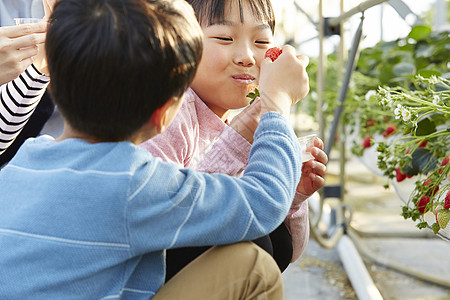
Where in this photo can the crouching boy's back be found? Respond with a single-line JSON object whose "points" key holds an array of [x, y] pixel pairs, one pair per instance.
{"points": [[88, 215]]}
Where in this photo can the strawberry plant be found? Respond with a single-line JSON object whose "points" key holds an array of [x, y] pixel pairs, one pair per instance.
{"points": [[423, 148]]}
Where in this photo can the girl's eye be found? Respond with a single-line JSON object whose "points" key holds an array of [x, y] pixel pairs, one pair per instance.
{"points": [[226, 39], [263, 42]]}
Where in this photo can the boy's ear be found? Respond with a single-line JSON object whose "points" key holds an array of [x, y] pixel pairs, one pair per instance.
{"points": [[165, 114]]}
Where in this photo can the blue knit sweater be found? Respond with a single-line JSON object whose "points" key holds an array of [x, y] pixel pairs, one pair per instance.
{"points": [[90, 221]]}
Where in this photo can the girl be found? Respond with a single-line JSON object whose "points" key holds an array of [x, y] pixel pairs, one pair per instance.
{"points": [[236, 35]]}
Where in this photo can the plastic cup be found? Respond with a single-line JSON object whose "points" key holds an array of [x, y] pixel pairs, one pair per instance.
{"points": [[20, 21], [306, 142]]}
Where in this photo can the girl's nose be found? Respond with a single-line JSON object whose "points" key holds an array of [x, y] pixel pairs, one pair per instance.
{"points": [[244, 56]]}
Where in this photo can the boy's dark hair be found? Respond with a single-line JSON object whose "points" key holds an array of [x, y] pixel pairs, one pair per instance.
{"points": [[211, 12], [114, 62]]}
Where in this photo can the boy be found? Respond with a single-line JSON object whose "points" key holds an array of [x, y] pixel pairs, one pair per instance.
{"points": [[88, 215]]}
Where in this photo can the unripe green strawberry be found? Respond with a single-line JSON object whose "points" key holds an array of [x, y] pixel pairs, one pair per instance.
{"points": [[442, 218], [273, 53]]}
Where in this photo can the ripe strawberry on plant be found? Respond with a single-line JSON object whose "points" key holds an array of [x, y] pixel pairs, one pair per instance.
{"points": [[389, 130], [273, 53], [399, 175], [367, 142], [447, 200], [370, 122], [444, 163], [430, 182], [423, 144], [422, 204]]}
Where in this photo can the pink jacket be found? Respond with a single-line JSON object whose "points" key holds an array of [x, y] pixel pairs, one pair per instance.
{"points": [[198, 139]]}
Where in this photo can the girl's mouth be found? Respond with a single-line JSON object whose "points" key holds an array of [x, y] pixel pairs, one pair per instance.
{"points": [[244, 78]]}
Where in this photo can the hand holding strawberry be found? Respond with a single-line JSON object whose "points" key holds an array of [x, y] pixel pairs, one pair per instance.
{"points": [[283, 82]]}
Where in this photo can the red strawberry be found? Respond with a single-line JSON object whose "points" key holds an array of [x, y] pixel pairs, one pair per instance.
{"points": [[423, 144], [389, 130], [447, 200], [444, 162], [370, 122], [273, 53], [422, 204], [367, 142], [399, 175], [427, 182]]}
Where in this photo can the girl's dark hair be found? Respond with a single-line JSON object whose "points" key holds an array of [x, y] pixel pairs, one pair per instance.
{"points": [[211, 12], [114, 62]]}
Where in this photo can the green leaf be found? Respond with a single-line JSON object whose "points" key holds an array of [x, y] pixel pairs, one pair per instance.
{"points": [[403, 68], [419, 32], [428, 73], [422, 161], [425, 127], [422, 225], [425, 51]]}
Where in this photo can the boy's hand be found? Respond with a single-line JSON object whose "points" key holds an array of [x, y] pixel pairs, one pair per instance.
{"points": [[284, 81], [18, 47], [247, 120], [313, 171]]}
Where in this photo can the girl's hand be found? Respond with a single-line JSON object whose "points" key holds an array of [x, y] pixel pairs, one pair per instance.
{"points": [[18, 47], [284, 81], [313, 171]]}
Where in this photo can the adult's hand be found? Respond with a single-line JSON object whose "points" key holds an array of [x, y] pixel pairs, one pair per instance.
{"points": [[18, 47], [48, 7], [41, 59]]}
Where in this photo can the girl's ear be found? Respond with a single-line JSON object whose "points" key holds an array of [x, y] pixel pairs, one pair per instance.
{"points": [[164, 115]]}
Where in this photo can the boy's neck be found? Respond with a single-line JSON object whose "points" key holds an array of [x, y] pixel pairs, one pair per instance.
{"points": [[70, 133]]}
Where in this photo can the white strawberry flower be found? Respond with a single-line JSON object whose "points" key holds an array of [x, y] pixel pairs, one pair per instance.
{"points": [[398, 111], [369, 94], [436, 99], [406, 114]]}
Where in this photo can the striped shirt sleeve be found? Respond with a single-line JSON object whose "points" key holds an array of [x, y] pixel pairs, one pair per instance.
{"points": [[18, 99]]}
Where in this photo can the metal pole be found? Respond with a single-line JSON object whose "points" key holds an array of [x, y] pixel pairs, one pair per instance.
{"points": [[344, 88], [358, 9], [342, 137], [321, 73], [320, 93]]}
